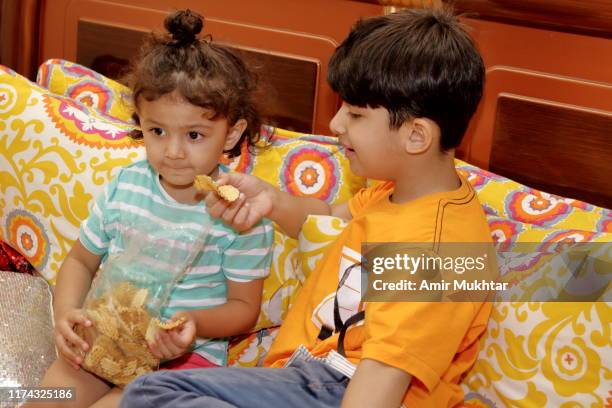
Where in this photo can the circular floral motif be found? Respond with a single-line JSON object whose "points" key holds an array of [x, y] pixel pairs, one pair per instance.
{"points": [[569, 361], [540, 210], [570, 368], [81, 127], [28, 235], [557, 240], [91, 94], [475, 179], [605, 224], [13, 99], [243, 163], [310, 171], [504, 232]]}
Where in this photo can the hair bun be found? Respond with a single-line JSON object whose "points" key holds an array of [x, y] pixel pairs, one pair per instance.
{"points": [[184, 26]]}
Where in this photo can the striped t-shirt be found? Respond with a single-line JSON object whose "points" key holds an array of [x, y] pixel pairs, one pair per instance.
{"points": [[136, 200]]}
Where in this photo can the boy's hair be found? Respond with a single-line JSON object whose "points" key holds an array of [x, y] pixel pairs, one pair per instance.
{"points": [[206, 74], [415, 63]]}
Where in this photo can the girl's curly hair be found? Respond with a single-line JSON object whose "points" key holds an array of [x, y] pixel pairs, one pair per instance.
{"points": [[206, 74]]}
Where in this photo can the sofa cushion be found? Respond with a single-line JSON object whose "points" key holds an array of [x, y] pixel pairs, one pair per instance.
{"points": [[55, 157], [107, 97]]}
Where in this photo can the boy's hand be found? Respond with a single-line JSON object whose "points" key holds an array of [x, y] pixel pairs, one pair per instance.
{"points": [[66, 340], [170, 344], [255, 201]]}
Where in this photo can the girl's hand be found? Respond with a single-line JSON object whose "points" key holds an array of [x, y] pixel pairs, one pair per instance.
{"points": [[67, 341], [170, 344], [255, 201]]}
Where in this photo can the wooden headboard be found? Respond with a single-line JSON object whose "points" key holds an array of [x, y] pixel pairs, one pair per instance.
{"points": [[546, 115]]}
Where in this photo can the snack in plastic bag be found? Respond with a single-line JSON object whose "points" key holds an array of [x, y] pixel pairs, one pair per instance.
{"points": [[127, 295]]}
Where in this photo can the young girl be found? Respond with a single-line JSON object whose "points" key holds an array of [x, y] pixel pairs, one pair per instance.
{"points": [[193, 100]]}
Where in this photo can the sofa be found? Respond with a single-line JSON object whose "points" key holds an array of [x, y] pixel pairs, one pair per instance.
{"points": [[63, 137]]}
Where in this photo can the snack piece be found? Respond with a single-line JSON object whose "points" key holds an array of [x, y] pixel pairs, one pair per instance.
{"points": [[170, 324], [227, 192], [205, 183]]}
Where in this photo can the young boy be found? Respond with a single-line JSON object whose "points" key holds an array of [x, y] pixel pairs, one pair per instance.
{"points": [[410, 82]]}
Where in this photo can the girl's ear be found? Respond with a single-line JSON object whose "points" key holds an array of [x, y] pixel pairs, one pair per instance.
{"points": [[234, 133]]}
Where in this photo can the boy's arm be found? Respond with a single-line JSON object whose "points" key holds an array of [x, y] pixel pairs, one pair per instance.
{"points": [[259, 199], [376, 384]]}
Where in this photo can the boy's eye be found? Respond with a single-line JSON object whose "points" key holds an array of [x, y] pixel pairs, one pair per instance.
{"points": [[354, 115], [194, 135]]}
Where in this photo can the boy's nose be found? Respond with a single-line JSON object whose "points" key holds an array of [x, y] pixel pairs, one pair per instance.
{"points": [[336, 125]]}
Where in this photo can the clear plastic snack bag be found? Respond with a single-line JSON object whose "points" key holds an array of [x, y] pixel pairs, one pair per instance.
{"points": [[127, 295]]}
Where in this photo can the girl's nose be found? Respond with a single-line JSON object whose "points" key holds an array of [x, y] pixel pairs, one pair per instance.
{"points": [[174, 148]]}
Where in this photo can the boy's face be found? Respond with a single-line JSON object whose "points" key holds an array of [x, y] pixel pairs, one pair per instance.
{"points": [[373, 149]]}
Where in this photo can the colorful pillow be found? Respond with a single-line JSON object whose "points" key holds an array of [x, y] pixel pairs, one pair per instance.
{"points": [[502, 197], [109, 98], [55, 157]]}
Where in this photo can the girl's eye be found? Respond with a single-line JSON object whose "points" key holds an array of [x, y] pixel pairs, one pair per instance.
{"points": [[157, 131], [195, 135]]}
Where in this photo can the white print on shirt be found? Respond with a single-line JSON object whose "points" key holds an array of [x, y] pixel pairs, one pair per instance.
{"points": [[349, 295]]}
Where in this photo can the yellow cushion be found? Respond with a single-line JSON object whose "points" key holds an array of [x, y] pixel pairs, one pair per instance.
{"points": [[109, 98], [55, 157], [502, 197]]}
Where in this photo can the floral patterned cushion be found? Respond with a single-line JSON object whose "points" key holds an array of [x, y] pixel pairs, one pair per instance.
{"points": [[107, 97]]}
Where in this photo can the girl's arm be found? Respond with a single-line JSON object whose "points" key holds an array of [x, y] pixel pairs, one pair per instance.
{"points": [[237, 315], [73, 283]]}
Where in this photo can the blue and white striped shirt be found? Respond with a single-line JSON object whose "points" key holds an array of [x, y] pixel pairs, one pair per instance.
{"points": [[136, 197]]}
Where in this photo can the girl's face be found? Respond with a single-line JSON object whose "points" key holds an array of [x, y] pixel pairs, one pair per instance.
{"points": [[182, 140]]}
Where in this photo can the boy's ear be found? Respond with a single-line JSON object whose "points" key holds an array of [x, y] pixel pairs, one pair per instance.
{"points": [[419, 135], [234, 133]]}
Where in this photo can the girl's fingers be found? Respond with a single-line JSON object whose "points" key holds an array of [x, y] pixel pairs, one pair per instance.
{"points": [[71, 337], [66, 352], [166, 347]]}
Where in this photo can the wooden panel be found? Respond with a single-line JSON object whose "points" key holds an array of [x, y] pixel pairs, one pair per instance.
{"points": [[287, 85], [557, 148], [591, 17], [286, 89], [300, 30]]}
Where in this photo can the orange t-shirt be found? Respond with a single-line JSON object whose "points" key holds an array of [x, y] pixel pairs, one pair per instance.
{"points": [[435, 342]]}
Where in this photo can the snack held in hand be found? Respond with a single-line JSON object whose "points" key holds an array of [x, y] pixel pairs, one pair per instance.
{"points": [[227, 192], [118, 348], [156, 324]]}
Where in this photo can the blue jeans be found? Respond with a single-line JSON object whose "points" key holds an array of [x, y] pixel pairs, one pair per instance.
{"points": [[303, 384]]}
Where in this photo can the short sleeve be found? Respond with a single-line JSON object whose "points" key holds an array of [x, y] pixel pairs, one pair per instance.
{"points": [[249, 255], [420, 338], [367, 195], [93, 234]]}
